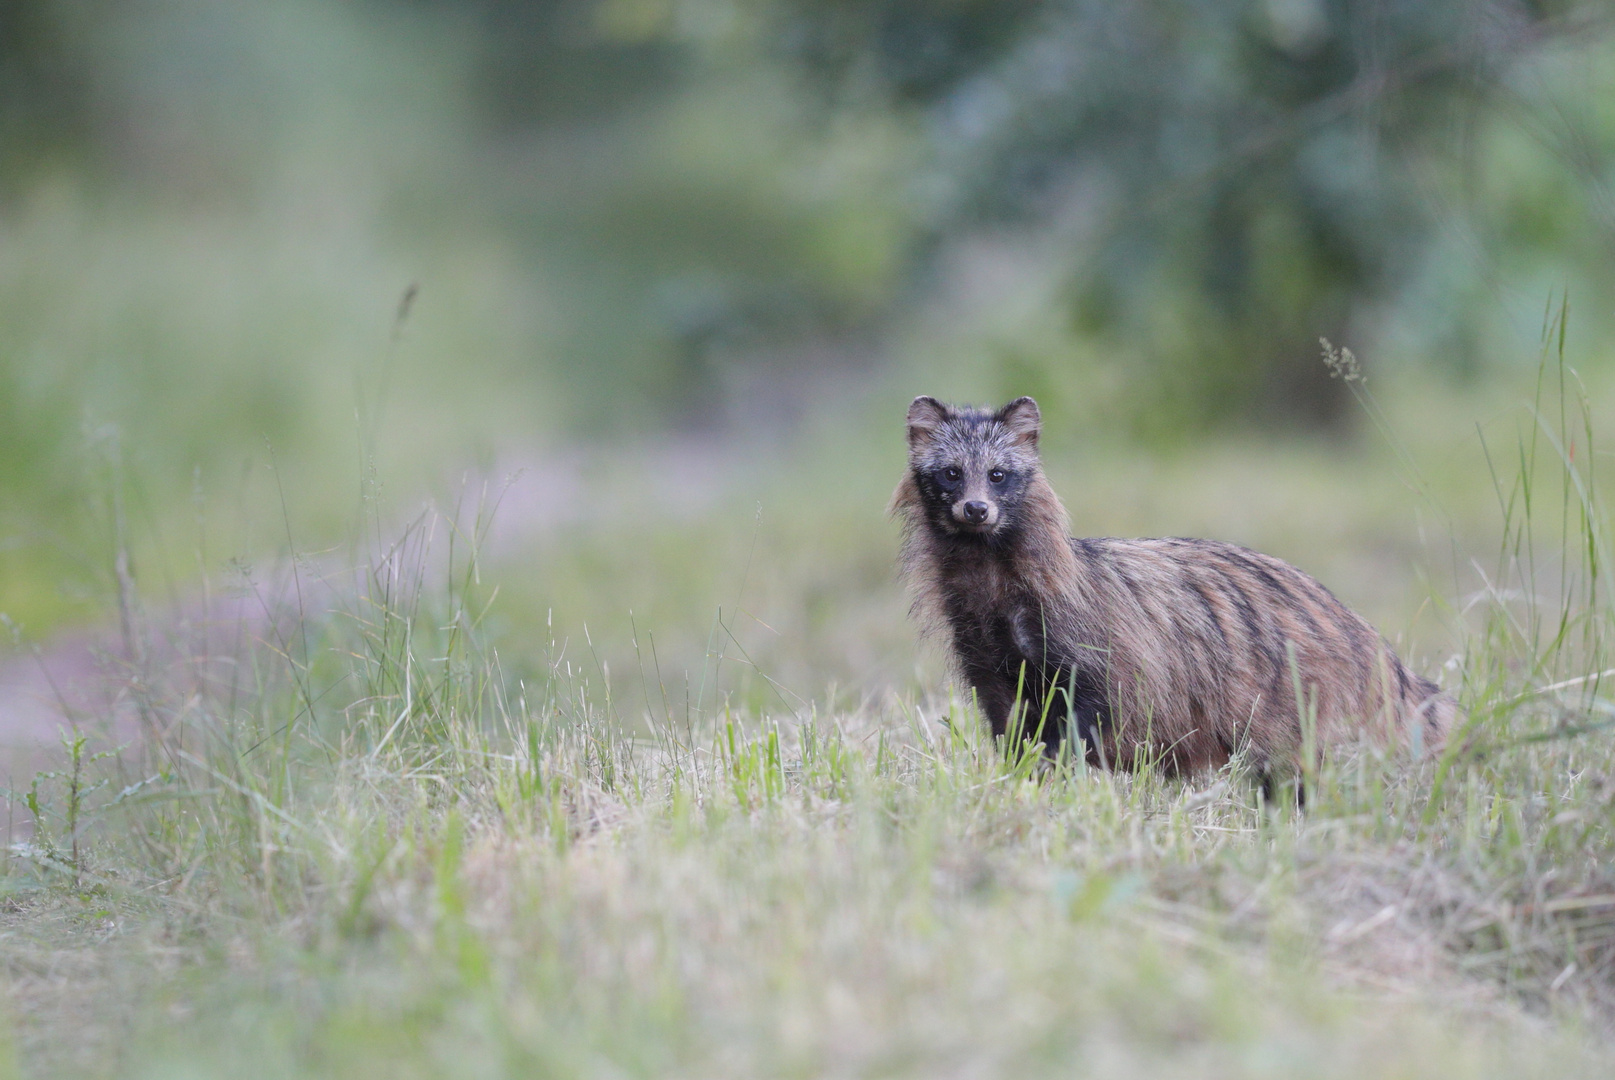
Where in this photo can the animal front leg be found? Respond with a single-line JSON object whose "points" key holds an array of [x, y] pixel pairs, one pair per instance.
{"points": [[1083, 711], [995, 700]]}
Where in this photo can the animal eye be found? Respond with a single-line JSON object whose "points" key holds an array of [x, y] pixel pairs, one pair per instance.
{"points": [[996, 476], [951, 474]]}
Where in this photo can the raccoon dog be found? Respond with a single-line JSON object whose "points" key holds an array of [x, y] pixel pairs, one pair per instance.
{"points": [[1175, 652]]}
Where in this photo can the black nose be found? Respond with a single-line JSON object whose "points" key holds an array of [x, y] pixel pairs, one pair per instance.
{"points": [[975, 512]]}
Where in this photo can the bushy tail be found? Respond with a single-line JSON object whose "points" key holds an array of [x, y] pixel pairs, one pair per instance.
{"points": [[1433, 718]]}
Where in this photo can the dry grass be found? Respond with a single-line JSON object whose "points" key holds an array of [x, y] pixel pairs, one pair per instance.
{"points": [[381, 845], [867, 894]]}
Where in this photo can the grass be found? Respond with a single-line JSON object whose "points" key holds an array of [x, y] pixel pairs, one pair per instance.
{"points": [[401, 835]]}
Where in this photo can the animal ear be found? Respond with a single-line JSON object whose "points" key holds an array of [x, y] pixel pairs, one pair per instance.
{"points": [[925, 415], [1022, 420]]}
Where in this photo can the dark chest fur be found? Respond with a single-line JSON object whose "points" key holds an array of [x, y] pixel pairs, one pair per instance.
{"points": [[1007, 647]]}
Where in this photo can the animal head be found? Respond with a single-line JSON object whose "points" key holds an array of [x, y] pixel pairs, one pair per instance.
{"points": [[973, 469]]}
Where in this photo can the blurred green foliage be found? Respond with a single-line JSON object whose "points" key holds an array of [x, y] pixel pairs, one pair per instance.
{"points": [[629, 217], [1214, 185]]}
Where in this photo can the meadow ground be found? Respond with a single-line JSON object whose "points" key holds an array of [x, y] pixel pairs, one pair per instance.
{"points": [[608, 782]]}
